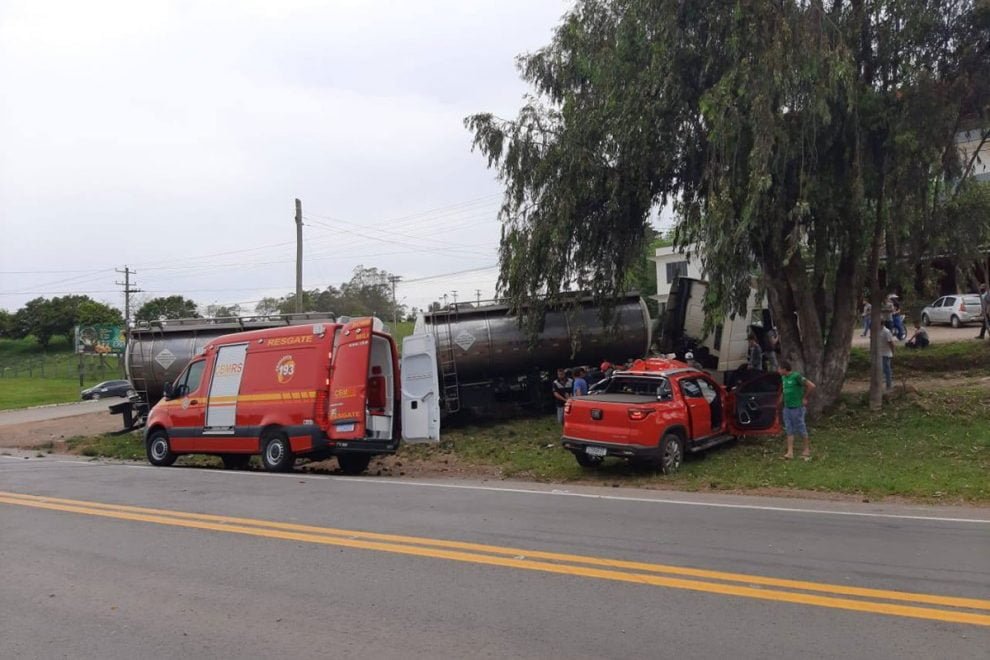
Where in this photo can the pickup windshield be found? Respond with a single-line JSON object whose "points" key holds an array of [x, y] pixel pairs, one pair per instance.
{"points": [[652, 387]]}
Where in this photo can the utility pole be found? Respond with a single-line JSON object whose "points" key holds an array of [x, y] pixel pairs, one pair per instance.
{"points": [[455, 297], [127, 272], [394, 279], [299, 296], [477, 292]]}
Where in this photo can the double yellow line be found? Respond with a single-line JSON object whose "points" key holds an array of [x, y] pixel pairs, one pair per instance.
{"points": [[859, 599]]}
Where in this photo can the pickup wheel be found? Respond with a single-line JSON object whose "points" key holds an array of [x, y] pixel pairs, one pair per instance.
{"points": [[671, 453], [276, 455], [586, 461]]}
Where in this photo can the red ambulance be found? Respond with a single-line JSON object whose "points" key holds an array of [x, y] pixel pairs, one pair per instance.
{"points": [[319, 390]]}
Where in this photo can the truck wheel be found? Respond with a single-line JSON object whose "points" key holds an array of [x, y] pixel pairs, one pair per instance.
{"points": [[159, 449], [276, 454], [586, 461], [235, 461], [671, 453], [353, 464]]}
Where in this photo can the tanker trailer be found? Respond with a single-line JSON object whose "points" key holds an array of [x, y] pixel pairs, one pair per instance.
{"points": [[158, 351], [486, 361]]}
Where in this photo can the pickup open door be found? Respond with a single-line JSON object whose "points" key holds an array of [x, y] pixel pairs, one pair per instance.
{"points": [[420, 389], [754, 407]]}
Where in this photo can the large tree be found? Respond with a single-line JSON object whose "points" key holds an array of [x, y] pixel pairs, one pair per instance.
{"points": [[367, 293], [168, 307], [45, 318], [782, 132]]}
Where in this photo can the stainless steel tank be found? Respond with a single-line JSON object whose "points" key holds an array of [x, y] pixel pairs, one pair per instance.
{"points": [[487, 341], [158, 352]]}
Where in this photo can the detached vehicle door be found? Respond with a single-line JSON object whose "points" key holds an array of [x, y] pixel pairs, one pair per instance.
{"points": [[349, 380], [753, 407], [420, 389]]}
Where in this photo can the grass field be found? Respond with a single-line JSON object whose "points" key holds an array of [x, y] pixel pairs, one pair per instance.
{"points": [[25, 392], [960, 358], [931, 446]]}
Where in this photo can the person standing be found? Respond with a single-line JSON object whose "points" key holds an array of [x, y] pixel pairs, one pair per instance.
{"points": [[773, 350], [561, 392], [867, 317], [887, 355], [754, 356], [794, 400], [985, 309], [580, 384]]}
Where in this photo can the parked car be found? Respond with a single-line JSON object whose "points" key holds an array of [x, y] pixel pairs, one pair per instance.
{"points": [[108, 389], [661, 409], [955, 310]]}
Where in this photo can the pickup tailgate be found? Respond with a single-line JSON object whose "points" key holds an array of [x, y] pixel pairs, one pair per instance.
{"points": [[603, 417]]}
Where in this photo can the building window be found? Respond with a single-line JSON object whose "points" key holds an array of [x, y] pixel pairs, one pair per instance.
{"points": [[676, 269]]}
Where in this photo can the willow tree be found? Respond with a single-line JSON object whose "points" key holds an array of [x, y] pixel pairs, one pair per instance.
{"points": [[773, 128]]}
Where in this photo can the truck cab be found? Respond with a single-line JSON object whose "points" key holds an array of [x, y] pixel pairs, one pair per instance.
{"points": [[317, 390], [660, 409]]}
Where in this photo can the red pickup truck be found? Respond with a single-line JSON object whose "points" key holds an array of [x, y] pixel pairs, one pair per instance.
{"points": [[660, 409]]}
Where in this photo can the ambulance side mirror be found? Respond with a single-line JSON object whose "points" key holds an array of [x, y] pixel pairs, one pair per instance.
{"points": [[169, 391]]}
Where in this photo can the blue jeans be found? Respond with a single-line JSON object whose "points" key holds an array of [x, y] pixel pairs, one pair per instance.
{"points": [[888, 371], [867, 322], [794, 422]]}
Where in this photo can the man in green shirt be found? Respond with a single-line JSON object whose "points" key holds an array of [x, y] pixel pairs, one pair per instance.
{"points": [[796, 389]]}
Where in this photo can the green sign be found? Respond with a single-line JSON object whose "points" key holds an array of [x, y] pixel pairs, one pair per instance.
{"points": [[100, 339]]}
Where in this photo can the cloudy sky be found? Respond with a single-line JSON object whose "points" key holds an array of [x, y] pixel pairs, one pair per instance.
{"points": [[173, 137]]}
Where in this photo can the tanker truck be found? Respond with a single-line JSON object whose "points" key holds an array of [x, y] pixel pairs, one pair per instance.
{"points": [[488, 364], [473, 359]]}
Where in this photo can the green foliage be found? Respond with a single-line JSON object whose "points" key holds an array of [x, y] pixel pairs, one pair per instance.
{"points": [[23, 392], [948, 359], [43, 318], [7, 325], [222, 311], [169, 307], [787, 135]]}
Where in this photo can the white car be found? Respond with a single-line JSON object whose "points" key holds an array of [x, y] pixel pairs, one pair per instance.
{"points": [[955, 310]]}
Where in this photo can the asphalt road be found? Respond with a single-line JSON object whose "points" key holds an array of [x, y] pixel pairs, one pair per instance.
{"points": [[45, 413], [121, 561]]}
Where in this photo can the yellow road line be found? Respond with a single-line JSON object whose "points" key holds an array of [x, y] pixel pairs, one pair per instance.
{"points": [[883, 594], [511, 562]]}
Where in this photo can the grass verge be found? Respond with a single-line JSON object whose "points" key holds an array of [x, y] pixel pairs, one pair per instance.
{"points": [[958, 358], [932, 446], [25, 392]]}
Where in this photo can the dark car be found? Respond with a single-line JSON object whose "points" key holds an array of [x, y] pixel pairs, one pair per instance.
{"points": [[106, 389]]}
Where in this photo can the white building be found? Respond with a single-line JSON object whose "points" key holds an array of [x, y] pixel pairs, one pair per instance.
{"points": [[967, 142]]}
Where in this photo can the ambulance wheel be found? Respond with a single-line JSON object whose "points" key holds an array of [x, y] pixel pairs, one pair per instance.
{"points": [[353, 464], [159, 449], [276, 454], [235, 461]]}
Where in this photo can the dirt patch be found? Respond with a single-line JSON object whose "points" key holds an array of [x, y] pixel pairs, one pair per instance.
{"points": [[446, 465], [52, 434]]}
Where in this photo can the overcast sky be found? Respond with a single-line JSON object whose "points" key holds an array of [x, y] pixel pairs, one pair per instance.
{"points": [[174, 136]]}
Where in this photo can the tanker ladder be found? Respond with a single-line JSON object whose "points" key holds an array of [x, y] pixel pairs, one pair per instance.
{"points": [[448, 370]]}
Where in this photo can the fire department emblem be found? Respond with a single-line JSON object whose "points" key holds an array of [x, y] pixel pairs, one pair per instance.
{"points": [[285, 369]]}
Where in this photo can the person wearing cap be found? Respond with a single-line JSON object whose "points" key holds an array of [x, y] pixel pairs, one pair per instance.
{"points": [[607, 369], [689, 358]]}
